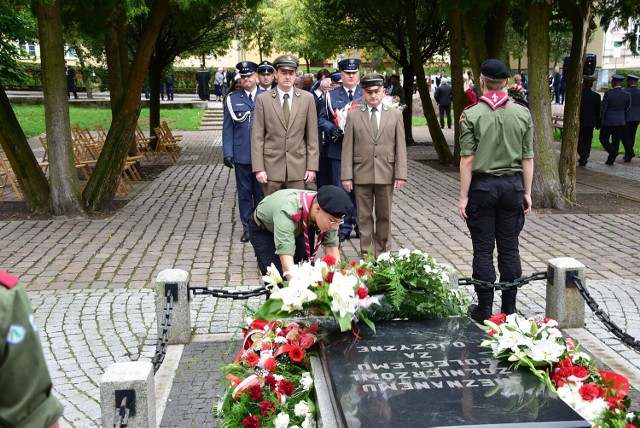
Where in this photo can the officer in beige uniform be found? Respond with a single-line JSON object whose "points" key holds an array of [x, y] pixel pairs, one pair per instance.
{"points": [[284, 151], [374, 163]]}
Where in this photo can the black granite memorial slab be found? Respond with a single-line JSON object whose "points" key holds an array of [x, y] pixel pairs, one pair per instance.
{"points": [[434, 374]]}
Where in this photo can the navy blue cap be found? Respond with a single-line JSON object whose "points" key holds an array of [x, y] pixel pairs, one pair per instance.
{"points": [[588, 78], [334, 200], [246, 68], [265, 67], [632, 77], [349, 64], [336, 77], [372, 80], [617, 78], [494, 69]]}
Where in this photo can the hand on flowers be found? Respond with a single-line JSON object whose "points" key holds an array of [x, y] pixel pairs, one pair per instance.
{"points": [[336, 134], [261, 177], [462, 208]]}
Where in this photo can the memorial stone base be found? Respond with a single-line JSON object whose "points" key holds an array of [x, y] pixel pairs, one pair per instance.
{"points": [[430, 374]]}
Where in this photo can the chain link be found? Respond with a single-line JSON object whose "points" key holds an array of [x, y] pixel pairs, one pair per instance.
{"points": [[501, 286], [122, 415], [224, 294], [163, 337], [626, 338]]}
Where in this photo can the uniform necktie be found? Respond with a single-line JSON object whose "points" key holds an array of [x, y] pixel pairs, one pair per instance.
{"points": [[350, 95], [285, 108], [251, 97], [374, 121]]}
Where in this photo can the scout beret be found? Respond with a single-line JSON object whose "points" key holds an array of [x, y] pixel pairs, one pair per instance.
{"points": [[372, 81], [617, 78], [246, 68], [334, 200], [494, 69], [632, 77], [265, 67], [286, 62], [349, 64], [336, 77], [588, 78]]}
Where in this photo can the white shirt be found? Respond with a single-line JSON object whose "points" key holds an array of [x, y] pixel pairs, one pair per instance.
{"points": [[281, 95], [253, 94], [377, 113]]}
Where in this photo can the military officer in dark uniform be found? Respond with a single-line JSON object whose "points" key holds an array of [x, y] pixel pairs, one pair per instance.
{"points": [[25, 398], [632, 116], [236, 142], [339, 99], [495, 184], [614, 105], [266, 79], [589, 118]]}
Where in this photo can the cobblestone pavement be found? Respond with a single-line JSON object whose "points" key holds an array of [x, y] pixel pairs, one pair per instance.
{"points": [[91, 281]]}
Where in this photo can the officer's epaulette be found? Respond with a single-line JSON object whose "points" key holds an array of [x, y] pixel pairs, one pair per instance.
{"points": [[7, 280]]}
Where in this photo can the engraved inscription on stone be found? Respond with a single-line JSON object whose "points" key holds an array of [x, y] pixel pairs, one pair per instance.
{"points": [[432, 374]]}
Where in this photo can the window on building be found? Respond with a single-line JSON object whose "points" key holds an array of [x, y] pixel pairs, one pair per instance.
{"points": [[70, 53], [28, 49]]}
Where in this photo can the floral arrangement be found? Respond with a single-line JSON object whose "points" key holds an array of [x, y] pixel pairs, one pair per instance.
{"points": [[340, 115], [413, 285], [596, 395], [393, 101], [320, 289], [270, 382], [517, 92]]}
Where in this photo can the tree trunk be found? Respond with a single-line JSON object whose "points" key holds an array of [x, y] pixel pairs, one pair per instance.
{"points": [[102, 186], [116, 80], [407, 113], [155, 76], [31, 179], [580, 17], [65, 188], [546, 187], [459, 99]]}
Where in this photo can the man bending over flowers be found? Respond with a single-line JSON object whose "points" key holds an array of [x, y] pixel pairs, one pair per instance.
{"points": [[289, 225]]}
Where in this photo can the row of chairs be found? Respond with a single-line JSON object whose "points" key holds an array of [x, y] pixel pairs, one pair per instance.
{"points": [[7, 178]]}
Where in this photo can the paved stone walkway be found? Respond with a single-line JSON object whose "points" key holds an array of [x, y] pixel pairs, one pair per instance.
{"points": [[91, 281]]}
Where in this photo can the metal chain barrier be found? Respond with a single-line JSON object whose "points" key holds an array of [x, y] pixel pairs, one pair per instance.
{"points": [[122, 415], [501, 286], [626, 338], [163, 337], [224, 294]]}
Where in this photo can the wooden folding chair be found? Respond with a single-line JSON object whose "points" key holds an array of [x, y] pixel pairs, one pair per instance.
{"points": [[143, 143], [166, 146], [6, 176]]}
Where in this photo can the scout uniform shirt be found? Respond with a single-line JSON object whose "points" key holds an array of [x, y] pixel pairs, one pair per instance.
{"points": [[281, 214], [25, 393], [498, 133]]}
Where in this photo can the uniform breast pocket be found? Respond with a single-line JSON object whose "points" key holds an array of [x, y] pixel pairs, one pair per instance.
{"points": [[391, 159], [357, 159]]}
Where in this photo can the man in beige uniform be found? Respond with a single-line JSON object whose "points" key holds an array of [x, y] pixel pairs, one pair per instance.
{"points": [[284, 150], [374, 163]]}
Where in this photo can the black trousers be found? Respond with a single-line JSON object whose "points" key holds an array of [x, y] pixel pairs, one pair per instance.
{"points": [[495, 217], [264, 248], [615, 133], [445, 110], [584, 143], [630, 137]]}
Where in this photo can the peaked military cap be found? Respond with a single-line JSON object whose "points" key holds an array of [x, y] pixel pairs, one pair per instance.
{"points": [[265, 67], [246, 68], [494, 69], [617, 78], [588, 78], [349, 64], [286, 62], [336, 77], [334, 200], [372, 81], [632, 77]]}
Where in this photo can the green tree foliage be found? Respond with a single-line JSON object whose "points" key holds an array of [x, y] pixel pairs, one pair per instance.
{"points": [[255, 30], [16, 23], [624, 14]]}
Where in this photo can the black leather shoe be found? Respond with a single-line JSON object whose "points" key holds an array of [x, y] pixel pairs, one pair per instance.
{"points": [[357, 232], [610, 160], [245, 236], [628, 158], [344, 237], [582, 163]]}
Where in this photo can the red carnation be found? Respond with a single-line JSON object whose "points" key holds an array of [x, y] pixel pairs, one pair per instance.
{"points": [[580, 372], [353, 264], [267, 408], [498, 318], [362, 292], [252, 359], [330, 277], [329, 260], [361, 272], [270, 380], [492, 333], [270, 364], [251, 422], [286, 387], [296, 354], [255, 392], [589, 392]]}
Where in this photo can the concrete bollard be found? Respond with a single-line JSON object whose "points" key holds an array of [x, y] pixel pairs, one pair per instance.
{"points": [[135, 381], [564, 302], [177, 280]]}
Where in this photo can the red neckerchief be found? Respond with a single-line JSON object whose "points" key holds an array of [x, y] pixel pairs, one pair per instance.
{"points": [[8, 280], [307, 200], [495, 99]]}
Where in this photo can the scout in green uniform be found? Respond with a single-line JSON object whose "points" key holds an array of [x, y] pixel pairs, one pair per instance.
{"points": [[289, 226], [496, 171], [25, 394]]}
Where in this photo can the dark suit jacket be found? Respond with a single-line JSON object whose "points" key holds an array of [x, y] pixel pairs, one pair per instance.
{"points": [[590, 109], [237, 125], [443, 95], [614, 105], [285, 152], [633, 114], [337, 99]]}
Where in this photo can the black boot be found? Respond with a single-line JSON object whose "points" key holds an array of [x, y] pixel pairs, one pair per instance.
{"points": [[509, 301], [482, 311]]}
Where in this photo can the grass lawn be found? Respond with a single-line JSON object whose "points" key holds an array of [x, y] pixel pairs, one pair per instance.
{"points": [[31, 118]]}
